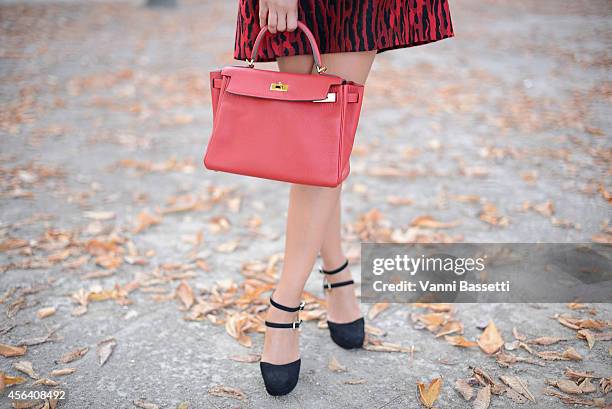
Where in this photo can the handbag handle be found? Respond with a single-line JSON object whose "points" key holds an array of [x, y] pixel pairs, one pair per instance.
{"points": [[313, 44]]}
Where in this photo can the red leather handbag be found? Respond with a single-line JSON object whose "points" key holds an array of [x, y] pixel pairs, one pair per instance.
{"points": [[295, 128]]}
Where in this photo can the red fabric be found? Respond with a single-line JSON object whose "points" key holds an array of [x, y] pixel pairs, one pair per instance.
{"points": [[346, 26]]}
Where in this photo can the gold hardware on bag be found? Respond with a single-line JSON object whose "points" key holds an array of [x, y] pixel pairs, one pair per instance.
{"points": [[279, 86], [331, 97]]}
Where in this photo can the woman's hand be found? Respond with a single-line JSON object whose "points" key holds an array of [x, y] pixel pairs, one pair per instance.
{"points": [[279, 15]]}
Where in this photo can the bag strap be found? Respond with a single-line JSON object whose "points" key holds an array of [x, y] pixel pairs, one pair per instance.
{"points": [[313, 44]]}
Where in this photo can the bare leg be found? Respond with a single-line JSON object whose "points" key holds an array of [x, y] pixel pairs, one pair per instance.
{"points": [[310, 211], [342, 305]]}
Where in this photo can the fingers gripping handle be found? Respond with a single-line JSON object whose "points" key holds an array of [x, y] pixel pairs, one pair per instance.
{"points": [[313, 44]]}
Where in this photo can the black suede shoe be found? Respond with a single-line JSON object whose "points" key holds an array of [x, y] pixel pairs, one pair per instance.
{"points": [[348, 335], [281, 379]]}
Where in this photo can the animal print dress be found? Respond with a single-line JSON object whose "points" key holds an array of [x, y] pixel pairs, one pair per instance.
{"points": [[346, 26]]}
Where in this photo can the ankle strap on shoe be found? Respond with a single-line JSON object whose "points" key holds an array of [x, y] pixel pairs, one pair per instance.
{"points": [[335, 271], [285, 308], [329, 286], [291, 325]]}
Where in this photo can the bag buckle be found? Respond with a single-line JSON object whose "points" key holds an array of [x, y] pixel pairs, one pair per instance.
{"points": [[279, 86]]}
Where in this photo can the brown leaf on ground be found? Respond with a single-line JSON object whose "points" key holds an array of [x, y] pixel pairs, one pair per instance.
{"points": [[586, 386], [588, 336], [335, 366], [506, 359], [26, 368], [185, 293], [143, 404], [460, 341], [227, 392], [235, 327], [8, 380], [428, 222], [582, 323], [517, 335], [248, 359], [63, 371], [485, 379], [518, 385], [73, 355], [12, 244], [605, 384], [8, 351], [375, 331], [399, 201], [464, 388], [104, 349], [354, 381], [227, 247], [490, 215], [546, 340], [483, 398], [574, 400], [428, 394], [431, 321], [377, 345], [46, 382], [569, 354], [376, 309], [491, 340], [146, 220], [450, 328], [45, 312], [565, 385]]}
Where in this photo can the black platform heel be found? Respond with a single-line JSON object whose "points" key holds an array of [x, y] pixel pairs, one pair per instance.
{"points": [[281, 379], [347, 335]]}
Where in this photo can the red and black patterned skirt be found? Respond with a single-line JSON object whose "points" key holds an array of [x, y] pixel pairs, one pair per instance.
{"points": [[347, 26]]}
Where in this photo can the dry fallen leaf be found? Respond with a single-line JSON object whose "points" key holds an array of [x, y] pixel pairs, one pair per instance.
{"points": [[249, 359], [450, 328], [588, 336], [45, 312], [565, 385], [464, 388], [227, 247], [227, 392], [143, 404], [26, 368], [185, 293], [569, 354], [7, 380], [46, 382], [105, 349], [376, 309], [73, 355], [518, 385], [546, 340], [335, 366], [63, 371], [145, 220], [8, 351], [483, 398], [429, 394], [574, 400], [459, 341], [428, 222], [490, 340], [354, 381]]}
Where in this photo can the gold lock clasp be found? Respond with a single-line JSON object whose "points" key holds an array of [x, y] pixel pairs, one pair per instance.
{"points": [[279, 86]]}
